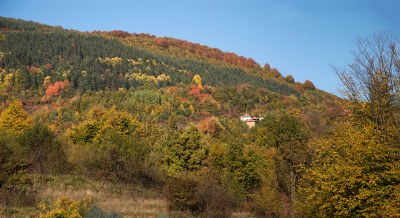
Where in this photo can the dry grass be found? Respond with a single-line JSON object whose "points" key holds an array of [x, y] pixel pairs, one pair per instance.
{"points": [[123, 199], [243, 215], [16, 212], [128, 201]]}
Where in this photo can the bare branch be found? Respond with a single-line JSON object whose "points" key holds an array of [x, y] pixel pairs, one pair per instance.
{"points": [[373, 78]]}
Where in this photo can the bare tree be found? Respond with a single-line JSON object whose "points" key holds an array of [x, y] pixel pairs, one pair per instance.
{"points": [[372, 80]]}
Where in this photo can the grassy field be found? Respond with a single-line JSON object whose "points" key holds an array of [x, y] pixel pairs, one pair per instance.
{"points": [[126, 200]]}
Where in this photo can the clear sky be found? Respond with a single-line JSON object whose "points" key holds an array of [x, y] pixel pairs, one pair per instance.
{"points": [[299, 37]]}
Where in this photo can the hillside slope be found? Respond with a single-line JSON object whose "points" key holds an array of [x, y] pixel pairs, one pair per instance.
{"points": [[33, 45], [160, 114]]}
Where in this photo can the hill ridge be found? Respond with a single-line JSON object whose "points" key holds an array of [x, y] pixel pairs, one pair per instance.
{"points": [[77, 47]]}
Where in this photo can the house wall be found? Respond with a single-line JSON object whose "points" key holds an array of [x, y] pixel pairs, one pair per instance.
{"points": [[245, 118], [251, 124]]}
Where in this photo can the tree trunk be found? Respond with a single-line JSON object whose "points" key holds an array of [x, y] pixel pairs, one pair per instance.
{"points": [[292, 184]]}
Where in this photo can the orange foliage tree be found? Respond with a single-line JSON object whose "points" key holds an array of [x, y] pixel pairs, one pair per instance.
{"points": [[211, 126], [308, 85], [55, 89]]}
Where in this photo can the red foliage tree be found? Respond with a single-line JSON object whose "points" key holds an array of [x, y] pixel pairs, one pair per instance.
{"points": [[33, 69], [289, 78], [299, 87], [195, 90], [54, 90], [287, 101], [119, 33], [203, 98], [48, 66], [308, 85], [164, 43]]}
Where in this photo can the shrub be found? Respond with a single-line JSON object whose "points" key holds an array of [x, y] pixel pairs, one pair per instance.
{"points": [[14, 182], [66, 207], [208, 193], [44, 152], [181, 194]]}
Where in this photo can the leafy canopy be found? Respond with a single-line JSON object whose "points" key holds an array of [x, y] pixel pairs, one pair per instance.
{"points": [[15, 118]]}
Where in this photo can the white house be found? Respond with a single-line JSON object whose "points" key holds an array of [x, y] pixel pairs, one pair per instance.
{"points": [[250, 121], [245, 117]]}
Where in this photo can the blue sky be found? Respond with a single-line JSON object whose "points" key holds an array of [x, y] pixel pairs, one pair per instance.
{"points": [[299, 37]]}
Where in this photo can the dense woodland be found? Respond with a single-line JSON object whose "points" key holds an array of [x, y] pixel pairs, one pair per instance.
{"points": [[161, 116]]}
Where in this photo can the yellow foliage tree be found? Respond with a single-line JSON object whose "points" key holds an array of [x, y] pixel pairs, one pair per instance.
{"points": [[197, 81], [15, 118], [6, 84], [66, 207], [46, 81], [102, 120], [355, 173]]}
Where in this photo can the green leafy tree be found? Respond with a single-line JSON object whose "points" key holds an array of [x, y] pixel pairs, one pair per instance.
{"points": [[85, 132], [41, 148], [289, 136], [243, 169], [184, 152], [267, 197], [109, 145], [14, 179], [99, 121]]}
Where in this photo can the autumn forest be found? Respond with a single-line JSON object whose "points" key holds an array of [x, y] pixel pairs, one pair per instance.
{"points": [[118, 124]]}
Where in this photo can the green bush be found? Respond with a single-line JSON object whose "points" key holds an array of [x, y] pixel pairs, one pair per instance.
{"points": [[181, 194], [209, 194], [14, 182], [41, 148]]}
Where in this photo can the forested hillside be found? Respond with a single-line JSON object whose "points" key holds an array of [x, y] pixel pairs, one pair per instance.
{"points": [[109, 63], [157, 120]]}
